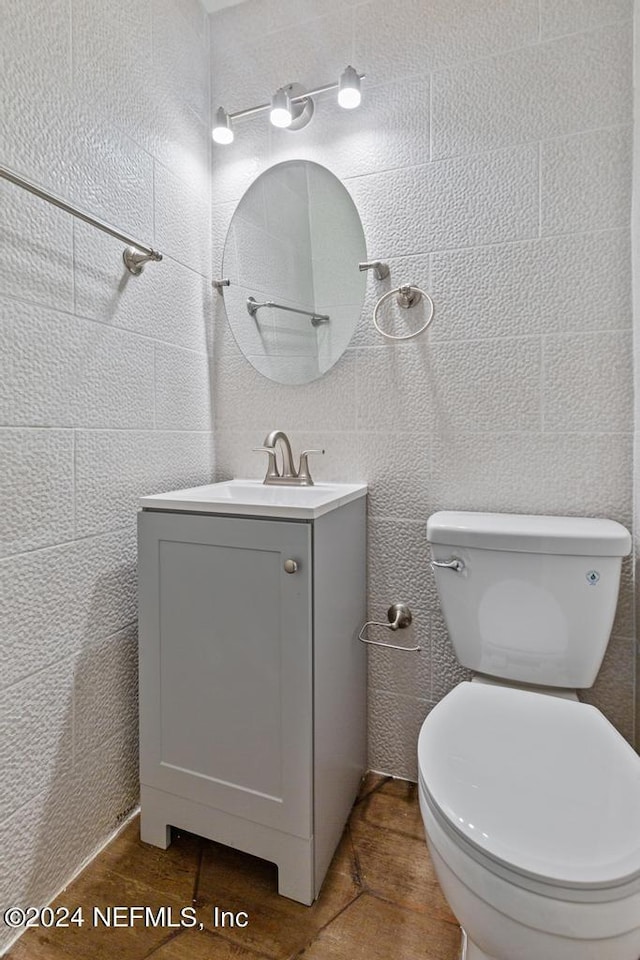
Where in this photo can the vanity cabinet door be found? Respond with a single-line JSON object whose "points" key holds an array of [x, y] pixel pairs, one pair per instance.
{"points": [[226, 665]]}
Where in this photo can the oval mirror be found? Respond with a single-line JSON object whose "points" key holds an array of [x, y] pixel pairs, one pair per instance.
{"points": [[291, 255]]}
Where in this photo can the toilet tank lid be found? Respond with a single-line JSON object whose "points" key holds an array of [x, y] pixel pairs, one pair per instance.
{"points": [[526, 533]]}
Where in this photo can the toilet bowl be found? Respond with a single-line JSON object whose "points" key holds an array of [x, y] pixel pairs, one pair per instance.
{"points": [[530, 798], [531, 806]]}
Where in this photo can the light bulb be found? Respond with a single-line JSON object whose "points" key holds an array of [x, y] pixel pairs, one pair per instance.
{"points": [[349, 89], [222, 131], [281, 115]]}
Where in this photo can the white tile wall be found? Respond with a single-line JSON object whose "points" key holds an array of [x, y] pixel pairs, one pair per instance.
{"points": [[85, 590], [568, 16], [584, 183], [452, 203], [183, 394], [106, 690], [36, 723], [490, 164], [36, 249], [413, 37], [116, 467], [104, 395], [578, 394], [36, 497], [59, 370], [553, 285], [575, 83]]}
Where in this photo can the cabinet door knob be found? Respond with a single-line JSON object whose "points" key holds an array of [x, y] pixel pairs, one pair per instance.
{"points": [[290, 566]]}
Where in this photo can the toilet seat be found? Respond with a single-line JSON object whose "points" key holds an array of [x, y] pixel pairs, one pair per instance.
{"points": [[542, 791]]}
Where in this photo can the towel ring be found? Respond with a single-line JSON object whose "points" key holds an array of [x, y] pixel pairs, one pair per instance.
{"points": [[407, 296]]}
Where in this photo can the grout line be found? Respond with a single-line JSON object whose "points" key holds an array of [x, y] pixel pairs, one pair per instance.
{"points": [[155, 386], [71, 47], [539, 16], [74, 730], [354, 24], [217, 934], [320, 931], [101, 323], [357, 875], [160, 946], [474, 155], [479, 154], [66, 543], [71, 657], [154, 226], [431, 84], [141, 429], [543, 381], [196, 879], [74, 269], [540, 189], [74, 472], [538, 42]]}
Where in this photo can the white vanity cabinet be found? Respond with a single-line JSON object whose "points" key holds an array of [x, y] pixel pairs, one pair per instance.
{"points": [[252, 679]]}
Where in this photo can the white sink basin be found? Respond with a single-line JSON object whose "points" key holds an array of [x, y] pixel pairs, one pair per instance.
{"points": [[251, 498]]}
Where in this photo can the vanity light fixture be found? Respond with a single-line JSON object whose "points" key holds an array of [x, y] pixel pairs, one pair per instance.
{"points": [[222, 131], [291, 107], [349, 95], [281, 115]]}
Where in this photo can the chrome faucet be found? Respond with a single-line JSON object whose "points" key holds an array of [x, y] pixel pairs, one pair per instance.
{"points": [[278, 442]]}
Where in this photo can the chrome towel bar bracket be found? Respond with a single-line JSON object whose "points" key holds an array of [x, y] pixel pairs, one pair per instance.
{"points": [[399, 616]]}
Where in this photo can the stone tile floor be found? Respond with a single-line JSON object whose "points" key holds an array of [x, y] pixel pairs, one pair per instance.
{"points": [[380, 899]]}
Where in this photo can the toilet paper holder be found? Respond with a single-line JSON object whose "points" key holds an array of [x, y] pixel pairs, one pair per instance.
{"points": [[399, 616]]}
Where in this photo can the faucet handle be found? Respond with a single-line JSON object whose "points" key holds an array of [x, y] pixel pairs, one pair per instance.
{"points": [[272, 469], [303, 470]]}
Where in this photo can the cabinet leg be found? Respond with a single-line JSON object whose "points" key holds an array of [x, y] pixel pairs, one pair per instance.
{"points": [[154, 830], [295, 878]]}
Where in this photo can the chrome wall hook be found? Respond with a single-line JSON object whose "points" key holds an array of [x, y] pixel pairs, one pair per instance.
{"points": [[399, 617]]}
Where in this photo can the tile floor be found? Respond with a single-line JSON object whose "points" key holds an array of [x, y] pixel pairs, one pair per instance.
{"points": [[380, 899]]}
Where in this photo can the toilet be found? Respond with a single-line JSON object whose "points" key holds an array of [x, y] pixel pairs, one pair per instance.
{"points": [[531, 799]]}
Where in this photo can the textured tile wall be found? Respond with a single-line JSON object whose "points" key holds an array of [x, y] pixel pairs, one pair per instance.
{"points": [[490, 162], [104, 395]]}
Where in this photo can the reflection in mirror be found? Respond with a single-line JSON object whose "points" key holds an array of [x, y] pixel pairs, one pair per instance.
{"points": [[292, 254]]}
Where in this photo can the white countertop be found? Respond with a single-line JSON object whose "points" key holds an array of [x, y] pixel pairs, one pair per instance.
{"points": [[252, 498]]}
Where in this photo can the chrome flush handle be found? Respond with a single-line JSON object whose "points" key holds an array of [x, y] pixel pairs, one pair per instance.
{"points": [[454, 564]]}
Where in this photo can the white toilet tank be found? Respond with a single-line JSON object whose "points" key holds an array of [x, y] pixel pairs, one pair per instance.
{"points": [[533, 599]]}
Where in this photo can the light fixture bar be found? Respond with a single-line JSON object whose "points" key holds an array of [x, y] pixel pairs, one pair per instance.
{"points": [[251, 111]]}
